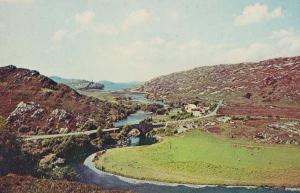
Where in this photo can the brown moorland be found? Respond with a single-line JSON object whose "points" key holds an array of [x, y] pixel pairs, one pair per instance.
{"points": [[19, 184], [267, 88], [32, 102]]}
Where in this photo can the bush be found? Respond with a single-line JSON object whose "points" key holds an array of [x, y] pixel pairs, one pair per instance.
{"points": [[181, 115], [99, 132], [163, 131], [72, 148], [11, 157], [67, 173], [2, 122]]}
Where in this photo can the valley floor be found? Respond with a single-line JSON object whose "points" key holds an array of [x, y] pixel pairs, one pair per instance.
{"points": [[200, 158]]}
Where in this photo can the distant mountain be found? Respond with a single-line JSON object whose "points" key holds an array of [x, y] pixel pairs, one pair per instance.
{"points": [[78, 84], [105, 85], [114, 86], [32, 102]]}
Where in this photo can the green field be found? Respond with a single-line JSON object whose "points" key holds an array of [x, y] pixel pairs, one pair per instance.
{"points": [[200, 158], [105, 96]]}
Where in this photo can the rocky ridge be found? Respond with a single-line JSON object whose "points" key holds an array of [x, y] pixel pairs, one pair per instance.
{"points": [[79, 84], [34, 103], [269, 81]]}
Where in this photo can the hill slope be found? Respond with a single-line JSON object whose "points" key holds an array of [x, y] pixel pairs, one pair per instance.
{"points": [[33, 102], [275, 80], [105, 85]]}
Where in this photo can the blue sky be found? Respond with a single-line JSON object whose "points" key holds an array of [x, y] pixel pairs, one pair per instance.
{"points": [[136, 40]]}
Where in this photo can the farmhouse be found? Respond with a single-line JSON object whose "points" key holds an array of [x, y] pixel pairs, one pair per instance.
{"points": [[196, 110]]}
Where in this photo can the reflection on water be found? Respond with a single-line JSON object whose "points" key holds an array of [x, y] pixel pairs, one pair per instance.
{"points": [[132, 119], [134, 141]]}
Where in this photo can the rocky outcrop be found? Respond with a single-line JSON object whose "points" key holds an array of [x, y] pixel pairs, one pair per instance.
{"points": [[93, 86], [79, 84], [273, 81], [23, 113], [134, 133], [32, 102], [50, 161]]}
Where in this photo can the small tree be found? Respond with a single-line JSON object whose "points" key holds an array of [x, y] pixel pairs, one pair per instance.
{"points": [[125, 128], [10, 152], [2, 122], [99, 132]]}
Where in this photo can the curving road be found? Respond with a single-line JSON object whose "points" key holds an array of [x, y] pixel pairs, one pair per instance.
{"points": [[211, 114]]}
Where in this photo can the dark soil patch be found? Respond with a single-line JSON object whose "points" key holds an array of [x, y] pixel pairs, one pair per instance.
{"points": [[216, 130]]}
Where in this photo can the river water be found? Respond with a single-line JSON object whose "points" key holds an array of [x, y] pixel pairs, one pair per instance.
{"points": [[133, 119], [89, 174]]}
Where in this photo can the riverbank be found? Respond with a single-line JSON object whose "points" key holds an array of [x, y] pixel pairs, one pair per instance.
{"points": [[197, 158], [92, 175]]}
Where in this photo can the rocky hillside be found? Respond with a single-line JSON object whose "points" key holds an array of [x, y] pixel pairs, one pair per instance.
{"points": [[21, 184], [31, 102], [275, 81], [78, 84]]}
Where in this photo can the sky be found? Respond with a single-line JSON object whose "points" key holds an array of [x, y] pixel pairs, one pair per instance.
{"points": [[136, 40]]}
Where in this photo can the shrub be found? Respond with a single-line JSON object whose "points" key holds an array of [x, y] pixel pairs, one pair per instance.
{"points": [[181, 115], [99, 132], [2, 122], [63, 173], [11, 157]]}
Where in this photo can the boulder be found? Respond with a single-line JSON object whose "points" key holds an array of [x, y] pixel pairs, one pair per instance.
{"points": [[47, 160], [134, 133]]}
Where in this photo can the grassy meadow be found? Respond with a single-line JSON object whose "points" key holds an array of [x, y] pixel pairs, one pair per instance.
{"points": [[201, 158], [105, 96]]}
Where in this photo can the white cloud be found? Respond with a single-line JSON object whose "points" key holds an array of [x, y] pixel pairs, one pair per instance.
{"points": [[189, 44], [172, 14], [256, 13], [85, 18], [16, 1], [281, 43], [253, 52], [282, 33], [288, 41], [106, 29], [144, 59], [59, 35], [134, 49], [135, 18], [154, 56], [157, 41], [86, 21]]}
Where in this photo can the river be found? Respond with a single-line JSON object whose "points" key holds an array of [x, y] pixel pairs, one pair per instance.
{"points": [[133, 119], [91, 175]]}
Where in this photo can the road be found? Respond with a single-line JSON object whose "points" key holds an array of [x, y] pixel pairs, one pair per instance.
{"points": [[35, 137], [211, 114]]}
